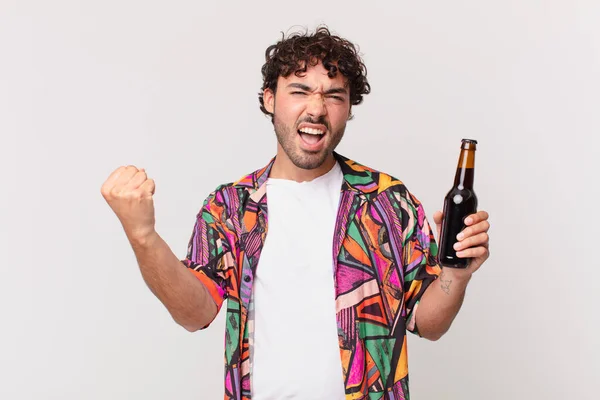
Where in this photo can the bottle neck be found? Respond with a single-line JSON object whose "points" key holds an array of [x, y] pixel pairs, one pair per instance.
{"points": [[465, 171]]}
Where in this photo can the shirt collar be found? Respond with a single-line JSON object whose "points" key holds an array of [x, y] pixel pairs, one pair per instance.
{"points": [[357, 177]]}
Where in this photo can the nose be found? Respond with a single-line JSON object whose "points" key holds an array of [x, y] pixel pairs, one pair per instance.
{"points": [[316, 106]]}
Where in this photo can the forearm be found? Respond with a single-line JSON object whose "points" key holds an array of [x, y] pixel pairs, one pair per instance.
{"points": [[441, 302], [184, 296]]}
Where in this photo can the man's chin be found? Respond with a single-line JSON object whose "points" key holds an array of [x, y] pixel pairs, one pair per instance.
{"points": [[309, 160]]}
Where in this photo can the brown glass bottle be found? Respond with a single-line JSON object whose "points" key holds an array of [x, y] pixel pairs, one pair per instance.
{"points": [[459, 203]]}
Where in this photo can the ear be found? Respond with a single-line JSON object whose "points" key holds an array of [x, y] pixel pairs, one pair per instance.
{"points": [[269, 100]]}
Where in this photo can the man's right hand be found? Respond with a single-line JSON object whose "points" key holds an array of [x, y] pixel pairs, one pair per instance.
{"points": [[128, 192]]}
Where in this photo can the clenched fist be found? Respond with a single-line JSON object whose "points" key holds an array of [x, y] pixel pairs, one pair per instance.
{"points": [[128, 191]]}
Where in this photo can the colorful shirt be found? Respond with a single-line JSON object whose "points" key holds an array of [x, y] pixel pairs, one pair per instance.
{"points": [[384, 258]]}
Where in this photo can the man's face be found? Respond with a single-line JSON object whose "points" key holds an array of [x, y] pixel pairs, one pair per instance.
{"points": [[310, 114]]}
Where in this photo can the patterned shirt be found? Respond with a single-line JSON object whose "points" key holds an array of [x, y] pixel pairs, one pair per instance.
{"points": [[384, 258]]}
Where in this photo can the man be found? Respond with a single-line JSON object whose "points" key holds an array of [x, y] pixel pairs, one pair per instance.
{"points": [[322, 284]]}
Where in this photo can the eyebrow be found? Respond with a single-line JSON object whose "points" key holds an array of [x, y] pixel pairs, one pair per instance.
{"points": [[306, 88]]}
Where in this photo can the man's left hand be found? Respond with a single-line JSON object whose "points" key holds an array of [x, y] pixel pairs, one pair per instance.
{"points": [[473, 241]]}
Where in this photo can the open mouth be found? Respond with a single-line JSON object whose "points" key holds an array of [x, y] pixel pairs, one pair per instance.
{"points": [[311, 136]]}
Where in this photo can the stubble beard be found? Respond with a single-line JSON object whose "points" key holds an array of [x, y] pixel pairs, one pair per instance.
{"points": [[286, 136]]}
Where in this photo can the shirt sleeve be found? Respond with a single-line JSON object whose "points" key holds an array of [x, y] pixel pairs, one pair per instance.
{"points": [[208, 253], [419, 256]]}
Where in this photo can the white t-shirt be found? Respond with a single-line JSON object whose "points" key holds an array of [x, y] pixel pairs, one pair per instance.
{"points": [[296, 351]]}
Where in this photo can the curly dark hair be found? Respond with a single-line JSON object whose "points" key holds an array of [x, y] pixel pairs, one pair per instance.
{"points": [[301, 49]]}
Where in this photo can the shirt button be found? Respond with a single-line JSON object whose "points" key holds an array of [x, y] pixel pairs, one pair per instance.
{"points": [[247, 278]]}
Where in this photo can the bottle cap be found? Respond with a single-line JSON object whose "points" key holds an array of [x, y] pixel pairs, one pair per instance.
{"points": [[470, 141]]}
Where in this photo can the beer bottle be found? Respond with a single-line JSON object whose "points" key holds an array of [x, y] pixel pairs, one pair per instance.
{"points": [[459, 203]]}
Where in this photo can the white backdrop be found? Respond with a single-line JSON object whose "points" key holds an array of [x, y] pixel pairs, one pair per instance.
{"points": [[172, 86]]}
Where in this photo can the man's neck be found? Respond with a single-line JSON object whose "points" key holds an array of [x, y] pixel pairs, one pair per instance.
{"points": [[284, 168]]}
